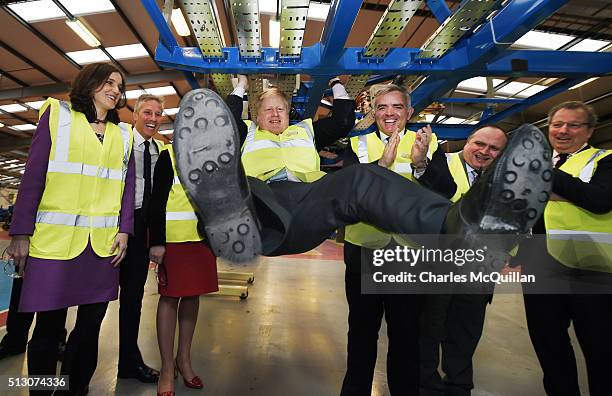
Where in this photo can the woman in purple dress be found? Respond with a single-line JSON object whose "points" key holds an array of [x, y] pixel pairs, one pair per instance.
{"points": [[71, 220]]}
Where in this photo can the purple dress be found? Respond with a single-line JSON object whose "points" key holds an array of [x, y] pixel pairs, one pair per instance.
{"points": [[53, 284]]}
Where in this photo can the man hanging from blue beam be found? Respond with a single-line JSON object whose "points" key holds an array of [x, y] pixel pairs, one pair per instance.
{"points": [[246, 216]]}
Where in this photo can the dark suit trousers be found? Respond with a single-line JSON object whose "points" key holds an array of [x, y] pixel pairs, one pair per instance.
{"points": [[297, 217], [17, 323], [433, 331], [548, 319], [464, 323], [132, 278], [401, 313]]}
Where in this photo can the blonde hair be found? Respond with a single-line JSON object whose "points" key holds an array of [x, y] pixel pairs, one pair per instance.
{"points": [[145, 98], [270, 92]]}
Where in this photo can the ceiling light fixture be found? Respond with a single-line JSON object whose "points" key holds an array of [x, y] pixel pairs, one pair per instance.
{"points": [[585, 82], [274, 33], [180, 25], [81, 30]]}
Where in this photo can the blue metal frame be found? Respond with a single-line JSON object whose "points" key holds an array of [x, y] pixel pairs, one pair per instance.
{"points": [[539, 63], [442, 131], [439, 9], [483, 53]]}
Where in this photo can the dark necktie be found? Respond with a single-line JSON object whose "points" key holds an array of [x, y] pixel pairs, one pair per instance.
{"points": [[562, 158], [146, 171], [475, 173]]}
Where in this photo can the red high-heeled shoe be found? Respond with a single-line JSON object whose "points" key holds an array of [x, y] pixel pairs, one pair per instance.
{"points": [[194, 383], [167, 393]]}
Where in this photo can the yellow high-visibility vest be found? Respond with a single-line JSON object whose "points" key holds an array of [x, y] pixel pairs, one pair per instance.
{"points": [[576, 237], [457, 169], [83, 188], [181, 219], [264, 154], [370, 148]]}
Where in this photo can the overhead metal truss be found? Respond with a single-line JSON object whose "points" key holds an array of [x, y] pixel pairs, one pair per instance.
{"points": [[293, 24], [472, 41], [471, 14], [390, 26]]}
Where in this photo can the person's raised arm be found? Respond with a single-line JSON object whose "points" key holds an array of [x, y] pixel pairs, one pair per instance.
{"points": [[235, 103], [342, 119]]}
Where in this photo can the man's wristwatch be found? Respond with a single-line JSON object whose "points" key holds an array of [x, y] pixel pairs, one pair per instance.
{"points": [[415, 168]]}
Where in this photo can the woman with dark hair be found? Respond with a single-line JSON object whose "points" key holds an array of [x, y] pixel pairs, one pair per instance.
{"points": [[72, 218]]}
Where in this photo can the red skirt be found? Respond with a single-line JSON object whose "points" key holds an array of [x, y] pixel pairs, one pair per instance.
{"points": [[189, 269]]}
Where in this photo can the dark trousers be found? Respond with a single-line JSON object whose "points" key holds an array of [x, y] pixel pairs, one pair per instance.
{"points": [[455, 323], [132, 279], [368, 193], [81, 356], [548, 319], [432, 333], [17, 323], [464, 323], [401, 313]]}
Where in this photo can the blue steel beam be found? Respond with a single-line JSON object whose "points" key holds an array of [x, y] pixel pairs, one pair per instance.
{"points": [[398, 61], [528, 102], [337, 28], [442, 131], [439, 9], [489, 42], [551, 64], [166, 37]]}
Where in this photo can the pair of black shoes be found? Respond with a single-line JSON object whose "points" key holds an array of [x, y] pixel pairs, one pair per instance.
{"points": [[142, 373], [507, 199]]}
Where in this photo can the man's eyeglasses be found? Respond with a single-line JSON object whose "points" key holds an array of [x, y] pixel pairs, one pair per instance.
{"points": [[570, 125]]}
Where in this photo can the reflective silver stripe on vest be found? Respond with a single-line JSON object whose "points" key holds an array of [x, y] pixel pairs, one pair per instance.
{"points": [[181, 216], [307, 128], [125, 135], [176, 180], [580, 236], [74, 220], [258, 145], [78, 168], [362, 149], [251, 145], [270, 144], [587, 172], [62, 141]]}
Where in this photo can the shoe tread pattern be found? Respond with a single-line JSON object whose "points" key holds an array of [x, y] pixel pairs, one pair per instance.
{"points": [[208, 161], [523, 183]]}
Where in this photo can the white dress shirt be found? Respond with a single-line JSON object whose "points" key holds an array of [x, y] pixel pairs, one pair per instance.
{"points": [[555, 156], [139, 160]]}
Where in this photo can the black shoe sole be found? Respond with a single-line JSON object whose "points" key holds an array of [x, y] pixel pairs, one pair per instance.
{"points": [[206, 146], [522, 182], [507, 200]]}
